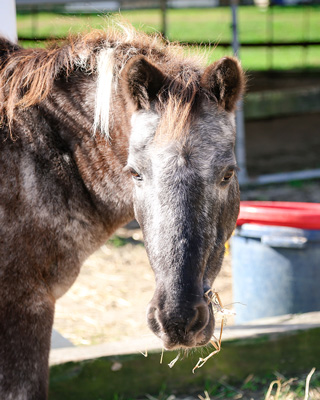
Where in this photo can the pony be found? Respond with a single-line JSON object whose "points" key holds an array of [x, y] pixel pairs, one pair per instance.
{"points": [[109, 126]]}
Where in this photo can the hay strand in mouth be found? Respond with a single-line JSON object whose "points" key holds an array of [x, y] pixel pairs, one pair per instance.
{"points": [[171, 364], [144, 354], [161, 358], [214, 299], [216, 344]]}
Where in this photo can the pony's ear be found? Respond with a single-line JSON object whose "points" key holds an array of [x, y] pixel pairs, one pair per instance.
{"points": [[142, 81], [225, 81]]}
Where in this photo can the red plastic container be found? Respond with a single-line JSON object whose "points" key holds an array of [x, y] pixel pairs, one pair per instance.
{"points": [[279, 213]]}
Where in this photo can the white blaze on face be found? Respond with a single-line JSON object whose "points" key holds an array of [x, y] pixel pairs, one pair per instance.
{"points": [[144, 125], [149, 159]]}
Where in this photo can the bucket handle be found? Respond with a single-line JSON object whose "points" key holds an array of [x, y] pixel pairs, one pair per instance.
{"points": [[289, 242]]}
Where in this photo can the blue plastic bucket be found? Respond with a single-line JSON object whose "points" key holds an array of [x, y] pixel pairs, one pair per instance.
{"points": [[276, 271]]}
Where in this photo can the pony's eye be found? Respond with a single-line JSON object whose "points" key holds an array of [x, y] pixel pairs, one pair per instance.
{"points": [[135, 175], [228, 175]]}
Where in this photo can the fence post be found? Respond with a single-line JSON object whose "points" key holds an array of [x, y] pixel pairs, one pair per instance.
{"points": [[270, 38], [8, 24], [163, 6], [240, 139]]}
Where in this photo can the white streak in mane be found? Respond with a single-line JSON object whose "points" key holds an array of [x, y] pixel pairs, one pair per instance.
{"points": [[105, 67]]}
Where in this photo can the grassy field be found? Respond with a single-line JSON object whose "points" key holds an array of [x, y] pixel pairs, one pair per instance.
{"points": [[275, 387], [207, 25]]}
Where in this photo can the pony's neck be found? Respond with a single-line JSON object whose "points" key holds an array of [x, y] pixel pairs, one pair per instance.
{"points": [[100, 160]]}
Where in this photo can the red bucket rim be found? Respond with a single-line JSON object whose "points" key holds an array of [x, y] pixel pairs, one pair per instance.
{"points": [[280, 213]]}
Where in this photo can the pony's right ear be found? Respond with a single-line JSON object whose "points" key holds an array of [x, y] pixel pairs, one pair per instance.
{"points": [[225, 81], [142, 81]]}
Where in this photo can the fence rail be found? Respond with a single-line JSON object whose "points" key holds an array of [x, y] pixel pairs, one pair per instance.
{"points": [[200, 44]]}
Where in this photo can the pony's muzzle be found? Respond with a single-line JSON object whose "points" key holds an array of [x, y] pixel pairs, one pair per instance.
{"points": [[180, 326]]}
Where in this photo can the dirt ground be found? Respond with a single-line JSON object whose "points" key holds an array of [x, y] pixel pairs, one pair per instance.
{"points": [[109, 299]]}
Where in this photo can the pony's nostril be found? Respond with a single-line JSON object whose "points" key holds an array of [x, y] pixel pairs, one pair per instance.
{"points": [[153, 320], [181, 326], [200, 318]]}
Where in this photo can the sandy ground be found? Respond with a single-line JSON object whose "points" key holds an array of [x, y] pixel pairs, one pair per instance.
{"points": [[109, 299]]}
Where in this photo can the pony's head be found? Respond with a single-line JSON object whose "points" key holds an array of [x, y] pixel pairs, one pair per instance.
{"points": [[186, 195]]}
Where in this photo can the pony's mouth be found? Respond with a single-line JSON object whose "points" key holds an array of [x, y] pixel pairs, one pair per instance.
{"points": [[180, 334]]}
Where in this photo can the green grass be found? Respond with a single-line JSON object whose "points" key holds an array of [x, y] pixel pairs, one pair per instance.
{"points": [[253, 388], [208, 25], [290, 23], [291, 388], [120, 241]]}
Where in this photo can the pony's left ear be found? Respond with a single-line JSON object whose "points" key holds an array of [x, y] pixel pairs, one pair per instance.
{"points": [[142, 81], [224, 80]]}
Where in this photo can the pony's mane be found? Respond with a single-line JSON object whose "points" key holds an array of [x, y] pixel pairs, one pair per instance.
{"points": [[27, 75]]}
